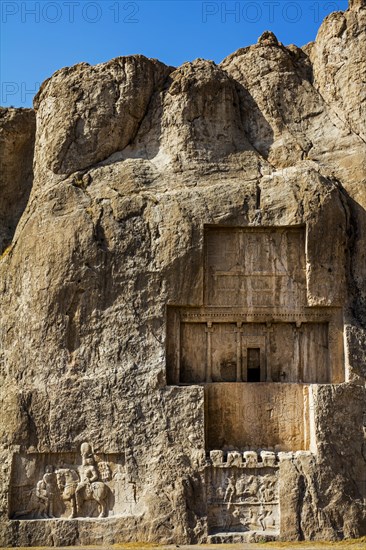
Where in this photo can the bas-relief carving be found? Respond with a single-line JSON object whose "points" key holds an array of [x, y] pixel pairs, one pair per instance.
{"points": [[248, 267], [84, 485], [67, 485], [45, 493], [254, 326], [243, 499]]}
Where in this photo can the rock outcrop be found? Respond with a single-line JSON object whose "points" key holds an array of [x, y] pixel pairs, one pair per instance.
{"points": [[17, 132], [186, 234]]}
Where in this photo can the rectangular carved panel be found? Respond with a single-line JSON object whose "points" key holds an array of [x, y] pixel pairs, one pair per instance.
{"points": [[241, 500], [255, 267], [246, 416], [66, 485], [193, 353]]}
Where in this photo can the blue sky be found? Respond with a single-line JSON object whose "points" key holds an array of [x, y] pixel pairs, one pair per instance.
{"points": [[39, 37]]}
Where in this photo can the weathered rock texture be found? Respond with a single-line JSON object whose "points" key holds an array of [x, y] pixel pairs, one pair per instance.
{"points": [[135, 164], [17, 132]]}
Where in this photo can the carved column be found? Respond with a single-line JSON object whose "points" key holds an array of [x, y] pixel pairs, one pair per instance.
{"points": [[244, 358], [177, 373], [238, 332], [297, 353], [209, 331], [267, 363]]}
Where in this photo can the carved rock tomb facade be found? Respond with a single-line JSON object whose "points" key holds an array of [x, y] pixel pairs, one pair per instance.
{"points": [[183, 299]]}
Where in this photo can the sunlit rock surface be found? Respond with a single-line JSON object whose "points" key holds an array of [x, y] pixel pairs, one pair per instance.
{"points": [[183, 298]]}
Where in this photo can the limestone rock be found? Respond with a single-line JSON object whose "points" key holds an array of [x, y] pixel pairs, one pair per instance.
{"points": [[268, 39], [339, 69], [183, 304], [92, 112], [17, 131]]}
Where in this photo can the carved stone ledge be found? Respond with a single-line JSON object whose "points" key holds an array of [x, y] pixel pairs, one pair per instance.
{"points": [[245, 459], [252, 459]]}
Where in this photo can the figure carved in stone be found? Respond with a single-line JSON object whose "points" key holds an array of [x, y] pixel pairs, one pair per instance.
{"points": [[230, 491], [45, 490], [234, 458], [87, 487], [251, 488], [105, 471], [88, 474], [266, 491], [67, 482], [266, 520], [251, 459]]}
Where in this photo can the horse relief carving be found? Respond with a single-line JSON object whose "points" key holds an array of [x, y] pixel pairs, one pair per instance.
{"points": [[83, 484], [66, 488]]}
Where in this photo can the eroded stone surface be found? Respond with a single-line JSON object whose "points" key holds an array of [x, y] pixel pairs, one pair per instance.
{"points": [[17, 131], [190, 264]]}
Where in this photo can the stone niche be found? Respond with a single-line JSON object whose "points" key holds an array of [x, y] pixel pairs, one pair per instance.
{"points": [[254, 342], [234, 346]]}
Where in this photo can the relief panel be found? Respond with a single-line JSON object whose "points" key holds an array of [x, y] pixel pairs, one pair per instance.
{"points": [[248, 267], [68, 485], [242, 500]]}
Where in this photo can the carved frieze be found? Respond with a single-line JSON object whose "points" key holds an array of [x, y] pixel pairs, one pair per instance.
{"points": [[241, 499]]}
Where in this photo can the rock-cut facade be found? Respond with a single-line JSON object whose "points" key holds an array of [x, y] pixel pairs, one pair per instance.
{"points": [[183, 298]]}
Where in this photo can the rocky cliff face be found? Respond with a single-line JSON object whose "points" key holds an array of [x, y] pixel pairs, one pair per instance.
{"points": [[134, 164], [17, 132]]}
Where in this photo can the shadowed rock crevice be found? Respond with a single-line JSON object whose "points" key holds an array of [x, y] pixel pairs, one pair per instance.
{"points": [[17, 134]]}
